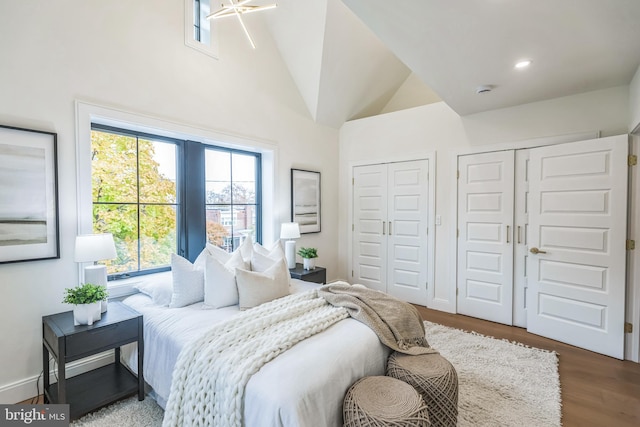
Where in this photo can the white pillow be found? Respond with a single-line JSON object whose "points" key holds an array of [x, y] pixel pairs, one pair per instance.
{"points": [[158, 286], [220, 288], [257, 247], [200, 260], [188, 282], [246, 249], [261, 262], [256, 288], [218, 253]]}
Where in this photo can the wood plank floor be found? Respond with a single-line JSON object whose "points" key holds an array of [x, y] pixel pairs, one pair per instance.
{"points": [[596, 390]]}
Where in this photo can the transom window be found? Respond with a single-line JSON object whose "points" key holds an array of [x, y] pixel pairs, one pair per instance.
{"points": [[199, 33], [201, 25]]}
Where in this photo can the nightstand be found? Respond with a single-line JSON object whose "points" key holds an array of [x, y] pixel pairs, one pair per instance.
{"points": [[91, 390], [317, 275]]}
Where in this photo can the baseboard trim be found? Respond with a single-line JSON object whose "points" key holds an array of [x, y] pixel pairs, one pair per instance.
{"points": [[24, 389]]}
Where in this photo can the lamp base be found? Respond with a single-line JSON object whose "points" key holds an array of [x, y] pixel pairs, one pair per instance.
{"points": [[96, 274], [290, 253]]}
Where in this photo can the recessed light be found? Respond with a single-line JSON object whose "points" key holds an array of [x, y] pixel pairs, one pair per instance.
{"points": [[484, 89], [523, 64]]}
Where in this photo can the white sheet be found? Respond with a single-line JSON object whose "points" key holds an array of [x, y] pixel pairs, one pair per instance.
{"points": [[302, 387]]}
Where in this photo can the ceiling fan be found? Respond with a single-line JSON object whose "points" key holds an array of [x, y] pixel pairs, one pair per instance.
{"points": [[238, 9]]}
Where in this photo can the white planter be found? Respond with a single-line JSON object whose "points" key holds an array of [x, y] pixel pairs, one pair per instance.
{"points": [[309, 263], [103, 306], [86, 314]]}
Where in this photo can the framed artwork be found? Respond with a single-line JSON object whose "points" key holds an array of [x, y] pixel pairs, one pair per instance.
{"points": [[305, 200], [28, 195]]}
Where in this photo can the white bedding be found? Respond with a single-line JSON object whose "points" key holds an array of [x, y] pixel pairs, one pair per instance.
{"points": [[304, 386]]}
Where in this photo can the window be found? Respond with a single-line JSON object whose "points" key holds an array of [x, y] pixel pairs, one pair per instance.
{"points": [[199, 32], [232, 196], [135, 195], [159, 195], [201, 26]]}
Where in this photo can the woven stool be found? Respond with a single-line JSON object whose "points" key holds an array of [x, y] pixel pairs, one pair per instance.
{"points": [[435, 378], [384, 401]]}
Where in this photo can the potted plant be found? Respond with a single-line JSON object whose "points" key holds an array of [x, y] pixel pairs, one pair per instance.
{"points": [[87, 302], [309, 256]]}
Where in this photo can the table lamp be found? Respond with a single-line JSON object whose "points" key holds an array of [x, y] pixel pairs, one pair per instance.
{"points": [[94, 248], [290, 231]]}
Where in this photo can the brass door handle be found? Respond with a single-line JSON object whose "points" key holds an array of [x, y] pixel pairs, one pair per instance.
{"points": [[536, 251]]}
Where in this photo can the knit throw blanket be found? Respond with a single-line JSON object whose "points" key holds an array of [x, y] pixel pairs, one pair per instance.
{"points": [[211, 372], [397, 323]]}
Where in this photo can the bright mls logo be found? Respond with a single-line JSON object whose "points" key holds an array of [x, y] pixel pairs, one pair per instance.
{"points": [[34, 415]]}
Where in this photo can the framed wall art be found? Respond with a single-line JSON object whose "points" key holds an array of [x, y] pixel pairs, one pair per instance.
{"points": [[305, 200], [28, 195]]}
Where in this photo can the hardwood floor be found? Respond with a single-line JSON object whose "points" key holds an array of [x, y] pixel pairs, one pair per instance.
{"points": [[596, 390]]}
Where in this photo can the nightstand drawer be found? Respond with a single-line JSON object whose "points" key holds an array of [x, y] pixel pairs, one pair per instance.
{"points": [[103, 338]]}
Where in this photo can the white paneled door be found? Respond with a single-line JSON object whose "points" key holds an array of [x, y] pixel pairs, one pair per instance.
{"points": [[390, 219], [407, 230], [369, 226], [577, 252], [485, 235], [521, 234]]}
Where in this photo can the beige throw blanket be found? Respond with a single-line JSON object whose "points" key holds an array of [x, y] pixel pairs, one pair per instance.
{"points": [[397, 323]]}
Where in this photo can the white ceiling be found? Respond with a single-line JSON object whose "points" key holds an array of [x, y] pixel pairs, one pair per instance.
{"points": [[349, 61]]}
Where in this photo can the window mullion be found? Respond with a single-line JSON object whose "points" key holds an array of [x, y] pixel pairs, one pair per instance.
{"points": [[138, 201]]}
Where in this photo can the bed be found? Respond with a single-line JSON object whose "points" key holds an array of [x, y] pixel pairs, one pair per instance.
{"points": [[303, 386]]}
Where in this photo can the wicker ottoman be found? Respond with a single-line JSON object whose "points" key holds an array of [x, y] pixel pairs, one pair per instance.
{"points": [[384, 401], [435, 378]]}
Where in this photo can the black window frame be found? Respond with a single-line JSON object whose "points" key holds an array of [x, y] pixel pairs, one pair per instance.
{"points": [[191, 233], [197, 35], [258, 193]]}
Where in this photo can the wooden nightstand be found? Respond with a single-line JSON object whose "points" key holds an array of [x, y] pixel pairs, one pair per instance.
{"points": [[317, 275], [89, 391]]}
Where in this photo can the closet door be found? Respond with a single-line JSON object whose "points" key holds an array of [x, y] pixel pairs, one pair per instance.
{"points": [[577, 239], [521, 252], [485, 241], [407, 222], [369, 226]]}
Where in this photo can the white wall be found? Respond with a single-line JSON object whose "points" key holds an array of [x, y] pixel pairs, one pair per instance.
{"points": [[634, 102], [436, 127], [131, 55]]}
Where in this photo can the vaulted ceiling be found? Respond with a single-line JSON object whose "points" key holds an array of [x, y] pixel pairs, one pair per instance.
{"points": [[356, 58]]}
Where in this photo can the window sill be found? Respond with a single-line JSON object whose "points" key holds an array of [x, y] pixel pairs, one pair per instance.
{"points": [[121, 288]]}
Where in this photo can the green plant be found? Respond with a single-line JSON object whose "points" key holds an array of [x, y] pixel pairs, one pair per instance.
{"points": [[85, 294], [308, 252]]}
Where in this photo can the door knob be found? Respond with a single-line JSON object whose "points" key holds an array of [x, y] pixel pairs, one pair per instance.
{"points": [[536, 251]]}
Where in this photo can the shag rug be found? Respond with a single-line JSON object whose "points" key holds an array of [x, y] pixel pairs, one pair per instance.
{"points": [[500, 384]]}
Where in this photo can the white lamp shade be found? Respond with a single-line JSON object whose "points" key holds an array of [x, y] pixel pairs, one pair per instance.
{"points": [[94, 247], [289, 230]]}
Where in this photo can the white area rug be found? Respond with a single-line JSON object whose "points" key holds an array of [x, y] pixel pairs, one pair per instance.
{"points": [[500, 384], [126, 413]]}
